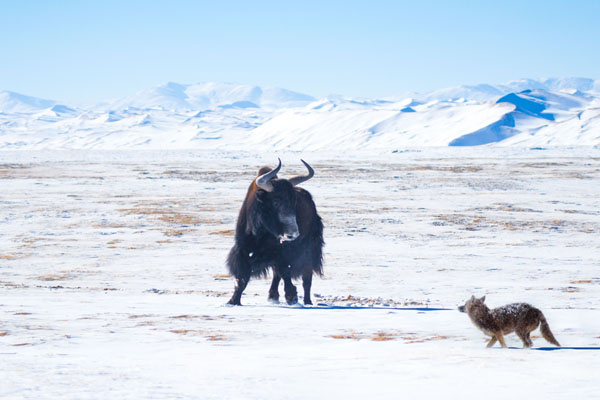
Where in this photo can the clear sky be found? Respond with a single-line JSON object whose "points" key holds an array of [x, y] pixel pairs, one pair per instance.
{"points": [[87, 51]]}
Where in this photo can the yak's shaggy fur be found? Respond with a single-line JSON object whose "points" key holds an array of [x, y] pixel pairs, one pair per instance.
{"points": [[277, 229]]}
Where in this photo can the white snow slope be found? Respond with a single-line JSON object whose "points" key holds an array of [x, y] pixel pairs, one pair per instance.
{"points": [[532, 113]]}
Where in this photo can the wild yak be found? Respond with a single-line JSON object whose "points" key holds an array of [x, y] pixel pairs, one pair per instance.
{"points": [[278, 227]]}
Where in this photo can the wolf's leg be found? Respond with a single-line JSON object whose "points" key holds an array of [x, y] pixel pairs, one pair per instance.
{"points": [[492, 341], [524, 336], [501, 339], [529, 342]]}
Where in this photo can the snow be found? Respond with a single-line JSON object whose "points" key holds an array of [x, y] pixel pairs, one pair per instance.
{"points": [[11, 102], [113, 280], [352, 126], [175, 96], [116, 220], [528, 113]]}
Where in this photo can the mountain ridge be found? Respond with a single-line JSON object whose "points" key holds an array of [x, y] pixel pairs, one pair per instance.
{"points": [[212, 114]]}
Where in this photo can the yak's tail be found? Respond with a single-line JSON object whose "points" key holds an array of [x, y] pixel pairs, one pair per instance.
{"points": [[317, 245], [234, 262], [546, 332]]}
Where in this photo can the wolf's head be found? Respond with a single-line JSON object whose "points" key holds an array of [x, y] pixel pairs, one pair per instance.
{"points": [[472, 303]]}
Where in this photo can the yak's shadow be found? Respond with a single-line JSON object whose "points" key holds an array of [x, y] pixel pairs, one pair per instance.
{"points": [[334, 307]]}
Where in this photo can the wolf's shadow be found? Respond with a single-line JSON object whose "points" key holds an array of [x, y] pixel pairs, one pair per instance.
{"points": [[558, 348]]}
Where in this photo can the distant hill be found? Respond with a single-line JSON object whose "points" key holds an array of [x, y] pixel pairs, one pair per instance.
{"points": [[175, 96], [527, 112], [11, 102]]}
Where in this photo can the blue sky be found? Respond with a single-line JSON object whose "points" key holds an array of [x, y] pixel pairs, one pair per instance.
{"points": [[87, 51]]}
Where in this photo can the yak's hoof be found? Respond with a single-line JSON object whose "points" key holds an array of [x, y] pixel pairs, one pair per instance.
{"points": [[273, 297], [307, 302], [292, 299], [234, 303]]}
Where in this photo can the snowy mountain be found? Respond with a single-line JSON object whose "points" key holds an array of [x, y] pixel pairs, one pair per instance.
{"points": [[485, 92], [175, 96], [533, 110], [458, 121], [536, 113], [11, 102]]}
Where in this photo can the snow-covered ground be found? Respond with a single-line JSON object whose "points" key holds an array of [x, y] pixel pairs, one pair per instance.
{"points": [[113, 284]]}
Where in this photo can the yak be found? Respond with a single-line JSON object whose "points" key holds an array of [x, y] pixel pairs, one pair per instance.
{"points": [[278, 228]]}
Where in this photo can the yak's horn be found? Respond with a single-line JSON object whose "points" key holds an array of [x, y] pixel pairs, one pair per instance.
{"points": [[296, 180], [264, 181]]}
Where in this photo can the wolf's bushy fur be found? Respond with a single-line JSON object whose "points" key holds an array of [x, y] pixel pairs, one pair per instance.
{"points": [[521, 318]]}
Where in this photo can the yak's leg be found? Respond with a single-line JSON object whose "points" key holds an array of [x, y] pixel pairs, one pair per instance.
{"points": [[274, 290], [306, 283], [492, 341], [291, 294], [240, 285]]}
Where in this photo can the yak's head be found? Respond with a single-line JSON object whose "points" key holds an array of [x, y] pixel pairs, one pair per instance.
{"points": [[277, 202]]}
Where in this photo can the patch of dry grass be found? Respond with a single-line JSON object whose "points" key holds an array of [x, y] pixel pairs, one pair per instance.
{"points": [[187, 332], [217, 337], [196, 332], [479, 221], [175, 232], [567, 289], [214, 293], [14, 256], [438, 168], [349, 335], [55, 277], [110, 226], [224, 232], [383, 336], [416, 339], [184, 316], [135, 316], [376, 337], [180, 219]]}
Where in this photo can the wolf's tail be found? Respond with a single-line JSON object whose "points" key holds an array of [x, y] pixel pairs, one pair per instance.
{"points": [[546, 332]]}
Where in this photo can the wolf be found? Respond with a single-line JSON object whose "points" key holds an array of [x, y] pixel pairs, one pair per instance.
{"points": [[521, 318]]}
